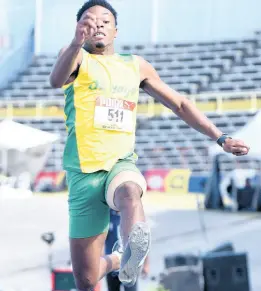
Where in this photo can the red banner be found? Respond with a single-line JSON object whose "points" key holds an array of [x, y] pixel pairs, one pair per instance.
{"points": [[155, 179], [54, 178], [50, 176], [171, 181]]}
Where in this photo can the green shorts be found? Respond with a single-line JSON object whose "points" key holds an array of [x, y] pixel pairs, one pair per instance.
{"points": [[89, 213]]}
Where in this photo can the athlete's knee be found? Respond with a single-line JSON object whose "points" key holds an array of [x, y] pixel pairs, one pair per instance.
{"points": [[128, 195], [85, 282]]}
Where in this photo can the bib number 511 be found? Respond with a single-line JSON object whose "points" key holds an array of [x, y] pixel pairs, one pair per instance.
{"points": [[115, 115]]}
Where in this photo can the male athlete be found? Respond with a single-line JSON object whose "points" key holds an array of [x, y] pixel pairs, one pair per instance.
{"points": [[101, 91]]}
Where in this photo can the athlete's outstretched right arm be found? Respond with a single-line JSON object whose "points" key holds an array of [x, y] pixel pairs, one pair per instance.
{"points": [[68, 60], [70, 57]]}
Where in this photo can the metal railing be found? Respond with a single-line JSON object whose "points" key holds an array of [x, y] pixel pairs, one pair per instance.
{"points": [[210, 102]]}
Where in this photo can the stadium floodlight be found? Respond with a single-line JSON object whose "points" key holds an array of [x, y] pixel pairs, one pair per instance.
{"points": [[49, 239]]}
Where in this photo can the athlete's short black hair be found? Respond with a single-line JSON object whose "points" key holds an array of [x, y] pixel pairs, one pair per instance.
{"points": [[92, 3]]}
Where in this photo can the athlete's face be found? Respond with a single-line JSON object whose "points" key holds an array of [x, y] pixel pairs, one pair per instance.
{"points": [[106, 28]]}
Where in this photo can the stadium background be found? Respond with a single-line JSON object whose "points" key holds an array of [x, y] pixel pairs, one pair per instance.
{"points": [[210, 50]]}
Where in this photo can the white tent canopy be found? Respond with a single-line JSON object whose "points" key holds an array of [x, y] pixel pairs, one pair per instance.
{"points": [[21, 137], [23, 148], [250, 134]]}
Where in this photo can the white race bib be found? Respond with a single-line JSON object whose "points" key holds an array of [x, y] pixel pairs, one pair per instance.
{"points": [[114, 114]]}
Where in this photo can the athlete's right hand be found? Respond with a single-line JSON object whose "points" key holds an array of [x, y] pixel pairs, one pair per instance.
{"points": [[85, 28]]}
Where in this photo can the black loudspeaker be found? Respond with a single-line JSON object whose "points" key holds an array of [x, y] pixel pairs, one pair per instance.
{"points": [[225, 247], [180, 260], [226, 271], [62, 280]]}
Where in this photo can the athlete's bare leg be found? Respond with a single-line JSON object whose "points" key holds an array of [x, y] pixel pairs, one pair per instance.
{"points": [[88, 264], [135, 231], [127, 199]]}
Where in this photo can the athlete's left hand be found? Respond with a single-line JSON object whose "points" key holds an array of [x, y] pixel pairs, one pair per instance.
{"points": [[236, 147]]}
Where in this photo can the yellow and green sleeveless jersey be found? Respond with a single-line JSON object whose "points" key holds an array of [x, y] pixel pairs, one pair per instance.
{"points": [[100, 112]]}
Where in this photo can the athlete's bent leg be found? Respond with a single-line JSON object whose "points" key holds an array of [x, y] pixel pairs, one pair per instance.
{"points": [[127, 199], [88, 265], [124, 194]]}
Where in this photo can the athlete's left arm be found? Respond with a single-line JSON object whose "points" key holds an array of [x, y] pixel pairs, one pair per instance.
{"points": [[184, 108]]}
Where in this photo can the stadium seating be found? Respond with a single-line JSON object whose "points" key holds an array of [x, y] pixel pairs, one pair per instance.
{"points": [[192, 68]]}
